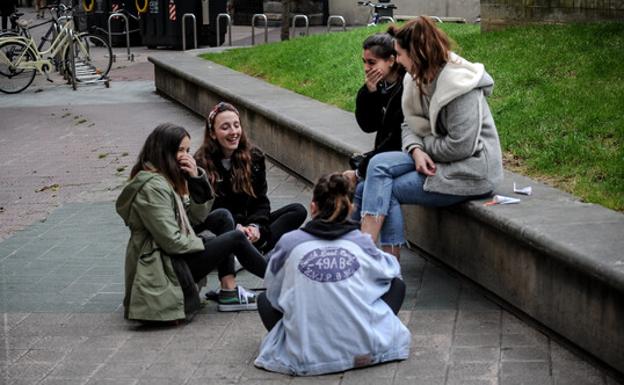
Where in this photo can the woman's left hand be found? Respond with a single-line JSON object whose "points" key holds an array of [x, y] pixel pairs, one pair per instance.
{"points": [[188, 165], [423, 162], [252, 233]]}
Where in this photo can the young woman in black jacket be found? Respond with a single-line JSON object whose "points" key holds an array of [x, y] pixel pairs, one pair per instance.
{"points": [[378, 107], [237, 170]]}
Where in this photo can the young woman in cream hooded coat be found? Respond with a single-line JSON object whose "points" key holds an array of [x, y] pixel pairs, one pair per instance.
{"points": [[451, 147]]}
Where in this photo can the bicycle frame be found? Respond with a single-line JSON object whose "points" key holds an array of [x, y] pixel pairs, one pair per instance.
{"points": [[64, 37]]}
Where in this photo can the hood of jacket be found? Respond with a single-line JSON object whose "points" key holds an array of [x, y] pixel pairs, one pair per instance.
{"points": [[328, 230], [458, 77], [130, 191]]}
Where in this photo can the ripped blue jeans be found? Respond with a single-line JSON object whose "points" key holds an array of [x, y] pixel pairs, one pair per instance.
{"points": [[392, 180]]}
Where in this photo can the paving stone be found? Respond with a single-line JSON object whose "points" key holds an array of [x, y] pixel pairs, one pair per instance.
{"points": [[472, 370], [62, 381], [524, 354], [43, 355], [479, 381], [519, 368], [421, 369], [531, 338], [120, 370], [74, 369], [477, 340], [112, 381], [475, 354], [419, 381], [527, 379]]}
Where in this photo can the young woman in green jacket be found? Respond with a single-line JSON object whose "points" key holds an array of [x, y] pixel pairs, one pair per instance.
{"points": [[166, 196]]}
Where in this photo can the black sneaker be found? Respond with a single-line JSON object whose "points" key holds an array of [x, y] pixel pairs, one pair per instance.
{"points": [[237, 300]]}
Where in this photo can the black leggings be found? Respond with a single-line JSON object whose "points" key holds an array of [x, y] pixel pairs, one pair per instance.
{"points": [[281, 221], [219, 251], [270, 316]]}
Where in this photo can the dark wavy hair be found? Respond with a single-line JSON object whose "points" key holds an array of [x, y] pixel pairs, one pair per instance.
{"points": [[332, 195], [427, 46], [159, 155], [241, 158], [382, 46]]}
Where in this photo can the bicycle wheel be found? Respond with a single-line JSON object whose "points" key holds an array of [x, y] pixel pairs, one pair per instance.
{"points": [[93, 57], [13, 77]]}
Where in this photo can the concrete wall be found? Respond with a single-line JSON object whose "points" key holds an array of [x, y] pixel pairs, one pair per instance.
{"points": [[499, 13], [357, 15]]}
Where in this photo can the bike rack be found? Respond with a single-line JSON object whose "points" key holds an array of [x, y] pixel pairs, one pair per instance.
{"points": [[126, 32], [229, 27], [253, 26], [184, 17], [387, 18], [294, 24], [340, 19], [436, 19]]}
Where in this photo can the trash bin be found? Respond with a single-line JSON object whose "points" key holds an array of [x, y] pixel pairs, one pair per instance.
{"points": [[162, 24], [97, 17]]}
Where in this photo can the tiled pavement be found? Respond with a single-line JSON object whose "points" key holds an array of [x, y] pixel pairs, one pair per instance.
{"points": [[63, 157]]}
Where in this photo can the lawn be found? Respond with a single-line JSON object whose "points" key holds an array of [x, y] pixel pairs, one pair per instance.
{"points": [[558, 100]]}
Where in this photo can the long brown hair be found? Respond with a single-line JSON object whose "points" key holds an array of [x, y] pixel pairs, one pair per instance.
{"points": [[427, 47], [332, 197], [159, 154], [241, 158]]}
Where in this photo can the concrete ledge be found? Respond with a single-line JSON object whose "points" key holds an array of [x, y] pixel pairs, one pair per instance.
{"points": [[557, 259]]}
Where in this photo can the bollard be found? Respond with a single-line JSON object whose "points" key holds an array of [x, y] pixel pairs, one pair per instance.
{"points": [[126, 31], [229, 27], [184, 17], [253, 25], [294, 24], [339, 18]]}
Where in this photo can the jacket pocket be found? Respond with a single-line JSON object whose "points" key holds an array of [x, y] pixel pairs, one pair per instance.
{"points": [[155, 294], [473, 168]]}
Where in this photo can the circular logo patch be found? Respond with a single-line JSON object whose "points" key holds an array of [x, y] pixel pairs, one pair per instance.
{"points": [[329, 264]]}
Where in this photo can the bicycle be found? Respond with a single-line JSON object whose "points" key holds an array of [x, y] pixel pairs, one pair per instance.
{"points": [[378, 11], [84, 58]]}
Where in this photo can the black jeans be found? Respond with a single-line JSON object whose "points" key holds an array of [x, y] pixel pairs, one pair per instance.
{"points": [[219, 251], [270, 316], [281, 221]]}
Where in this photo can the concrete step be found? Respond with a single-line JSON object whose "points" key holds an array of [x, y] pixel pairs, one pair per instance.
{"points": [[553, 257]]}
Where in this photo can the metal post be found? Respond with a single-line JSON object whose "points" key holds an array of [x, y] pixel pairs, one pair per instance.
{"points": [[253, 25], [294, 24], [339, 18], [229, 27], [386, 18], [192, 16], [126, 31]]}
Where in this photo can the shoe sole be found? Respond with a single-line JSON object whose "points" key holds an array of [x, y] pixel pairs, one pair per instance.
{"points": [[241, 307]]}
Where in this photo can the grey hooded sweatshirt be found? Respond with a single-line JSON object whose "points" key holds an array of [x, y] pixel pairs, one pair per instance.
{"points": [[454, 126]]}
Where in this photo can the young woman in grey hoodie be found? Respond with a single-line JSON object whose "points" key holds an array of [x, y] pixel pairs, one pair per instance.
{"points": [[451, 151]]}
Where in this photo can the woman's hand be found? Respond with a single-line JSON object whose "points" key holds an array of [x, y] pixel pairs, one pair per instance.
{"points": [[373, 76], [251, 232], [351, 177], [188, 165], [423, 162]]}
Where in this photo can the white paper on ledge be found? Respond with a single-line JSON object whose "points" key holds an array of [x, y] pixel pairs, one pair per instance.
{"points": [[523, 190], [502, 200]]}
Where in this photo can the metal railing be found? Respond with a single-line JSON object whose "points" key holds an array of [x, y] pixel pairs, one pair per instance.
{"points": [[126, 31], [192, 17], [229, 27], [294, 24], [253, 27], [338, 18]]}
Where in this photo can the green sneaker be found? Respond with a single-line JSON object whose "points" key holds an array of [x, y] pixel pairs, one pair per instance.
{"points": [[237, 300]]}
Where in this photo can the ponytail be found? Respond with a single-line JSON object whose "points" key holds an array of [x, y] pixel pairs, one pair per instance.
{"points": [[332, 196]]}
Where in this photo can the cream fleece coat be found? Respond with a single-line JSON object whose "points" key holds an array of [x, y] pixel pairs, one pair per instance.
{"points": [[455, 128]]}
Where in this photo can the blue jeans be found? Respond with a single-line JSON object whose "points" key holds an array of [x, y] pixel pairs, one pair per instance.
{"points": [[392, 180]]}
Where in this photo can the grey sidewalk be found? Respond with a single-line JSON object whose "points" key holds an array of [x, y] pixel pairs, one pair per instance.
{"points": [[64, 156]]}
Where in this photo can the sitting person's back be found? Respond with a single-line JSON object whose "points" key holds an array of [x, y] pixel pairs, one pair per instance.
{"points": [[332, 296]]}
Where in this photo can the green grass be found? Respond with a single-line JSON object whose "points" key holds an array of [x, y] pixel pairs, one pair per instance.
{"points": [[558, 100]]}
